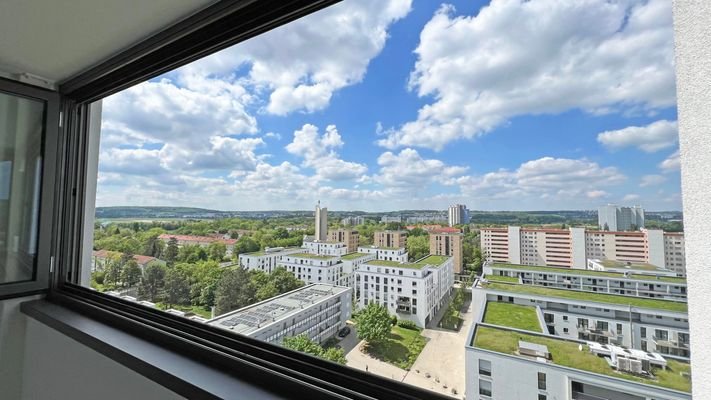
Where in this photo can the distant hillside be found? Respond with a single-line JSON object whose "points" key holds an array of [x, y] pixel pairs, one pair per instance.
{"points": [[154, 212]]}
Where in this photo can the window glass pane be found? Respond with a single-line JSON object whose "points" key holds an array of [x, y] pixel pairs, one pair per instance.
{"points": [[21, 128]]}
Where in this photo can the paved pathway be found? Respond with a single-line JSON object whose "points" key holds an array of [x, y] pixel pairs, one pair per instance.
{"points": [[358, 359]]}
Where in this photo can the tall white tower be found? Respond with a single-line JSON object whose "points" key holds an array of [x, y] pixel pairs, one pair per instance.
{"points": [[321, 223]]}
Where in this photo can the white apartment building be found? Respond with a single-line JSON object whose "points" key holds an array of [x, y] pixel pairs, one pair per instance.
{"points": [[389, 218], [318, 310], [457, 214], [613, 218], [385, 254], [571, 248], [411, 291], [324, 248], [645, 324], [536, 366], [266, 260], [637, 284], [351, 221], [314, 268], [202, 241]]}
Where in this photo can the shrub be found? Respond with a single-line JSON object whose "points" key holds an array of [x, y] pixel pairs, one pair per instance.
{"points": [[403, 323], [393, 320]]}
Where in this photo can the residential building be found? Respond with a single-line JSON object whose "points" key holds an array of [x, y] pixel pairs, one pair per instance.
{"points": [[324, 248], [448, 242], [202, 241], [314, 268], [647, 324], [411, 291], [390, 218], [352, 221], [390, 239], [458, 214], [434, 217], [504, 363], [637, 284], [317, 310], [100, 258], [613, 218], [385, 253], [348, 236], [321, 223], [267, 259], [572, 247]]}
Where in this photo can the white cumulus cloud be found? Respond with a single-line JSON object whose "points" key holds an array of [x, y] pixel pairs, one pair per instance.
{"points": [[520, 57], [656, 136], [671, 163], [652, 180]]}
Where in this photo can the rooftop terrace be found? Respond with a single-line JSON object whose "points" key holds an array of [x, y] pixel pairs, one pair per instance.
{"points": [[512, 316], [309, 255], [570, 271], [353, 256], [566, 353], [432, 260], [640, 302]]}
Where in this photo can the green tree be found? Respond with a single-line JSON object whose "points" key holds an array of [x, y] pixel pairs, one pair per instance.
{"points": [[374, 323], [152, 282], [131, 273], [171, 250], [417, 232], [177, 286], [233, 291], [216, 251], [112, 272], [246, 245], [284, 281], [303, 344], [418, 246], [154, 247]]}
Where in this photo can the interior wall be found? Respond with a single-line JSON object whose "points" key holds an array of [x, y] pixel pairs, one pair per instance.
{"points": [[12, 345], [57, 367], [692, 35]]}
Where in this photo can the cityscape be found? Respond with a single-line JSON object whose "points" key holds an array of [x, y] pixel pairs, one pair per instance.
{"points": [[582, 311]]}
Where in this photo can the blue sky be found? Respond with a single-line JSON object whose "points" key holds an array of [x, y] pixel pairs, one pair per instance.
{"points": [[382, 105]]}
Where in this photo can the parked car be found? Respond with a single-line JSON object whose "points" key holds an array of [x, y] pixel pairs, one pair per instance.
{"points": [[344, 332]]}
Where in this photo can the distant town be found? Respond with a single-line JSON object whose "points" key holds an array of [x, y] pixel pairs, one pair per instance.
{"points": [[589, 303]]}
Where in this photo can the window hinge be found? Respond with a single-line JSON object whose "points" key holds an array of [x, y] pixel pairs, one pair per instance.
{"points": [[51, 264], [61, 116]]}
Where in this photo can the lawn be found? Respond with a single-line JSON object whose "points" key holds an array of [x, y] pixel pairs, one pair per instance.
{"points": [[353, 256], [566, 353], [401, 348], [512, 316], [640, 302], [499, 278]]}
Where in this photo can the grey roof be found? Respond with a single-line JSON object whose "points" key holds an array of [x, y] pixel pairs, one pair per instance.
{"points": [[259, 315]]}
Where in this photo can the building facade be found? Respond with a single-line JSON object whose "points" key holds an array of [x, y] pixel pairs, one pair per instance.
{"points": [[572, 247], [313, 268], [321, 223], [352, 221], [385, 254], [267, 259], [457, 214], [391, 239], [325, 248], [448, 242], [348, 236], [317, 310], [613, 218], [410, 291]]}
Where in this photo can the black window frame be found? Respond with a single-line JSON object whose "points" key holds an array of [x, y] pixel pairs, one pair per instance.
{"points": [[289, 373], [43, 263]]}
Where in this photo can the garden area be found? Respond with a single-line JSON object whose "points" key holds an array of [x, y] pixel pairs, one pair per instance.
{"points": [[452, 319], [388, 339]]}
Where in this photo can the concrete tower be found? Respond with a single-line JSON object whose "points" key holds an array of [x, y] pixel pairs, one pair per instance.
{"points": [[321, 223]]}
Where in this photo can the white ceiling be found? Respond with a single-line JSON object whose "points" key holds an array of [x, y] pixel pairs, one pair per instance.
{"points": [[56, 39]]}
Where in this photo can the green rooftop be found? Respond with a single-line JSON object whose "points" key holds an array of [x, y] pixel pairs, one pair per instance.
{"points": [[640, 302], [386, 263], [433, 260], [512, 316], [264, 252], [353, 256], [499, 278], [570, 271], [309, 255], [567, 354]]}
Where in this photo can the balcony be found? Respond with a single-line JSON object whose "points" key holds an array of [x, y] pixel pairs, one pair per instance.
{"points": [[666, 342], [583, 396], [592, 330]]}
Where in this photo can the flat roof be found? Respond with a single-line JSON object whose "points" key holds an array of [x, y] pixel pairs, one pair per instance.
{"points": [[397, 264], [566, 353], [248, 319], [353, 256], [640, 302], [512, 316], [269, 251], [309, 255], [432, 260], [572, 271]]}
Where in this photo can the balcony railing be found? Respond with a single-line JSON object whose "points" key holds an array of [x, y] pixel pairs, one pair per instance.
{"points": [[583, 396], [592, 330], [666, 342]]}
